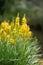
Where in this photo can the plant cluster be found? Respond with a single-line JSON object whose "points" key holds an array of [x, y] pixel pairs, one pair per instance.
{"points": [[17, 47]]}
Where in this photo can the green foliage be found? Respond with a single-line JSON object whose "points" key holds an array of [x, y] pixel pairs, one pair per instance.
{"points": [[22, 52]]}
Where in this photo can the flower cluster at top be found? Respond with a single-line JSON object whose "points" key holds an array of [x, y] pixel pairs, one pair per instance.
{"points": [[11, 31]]}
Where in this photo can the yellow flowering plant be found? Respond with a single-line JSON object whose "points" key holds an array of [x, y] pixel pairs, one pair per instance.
{"points": [[17, 47]]}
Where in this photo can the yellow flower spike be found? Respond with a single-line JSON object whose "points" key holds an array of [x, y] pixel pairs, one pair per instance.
{"points": [[4, 24], [7, 28], [17, 20], [24, 20], [24, 29]]}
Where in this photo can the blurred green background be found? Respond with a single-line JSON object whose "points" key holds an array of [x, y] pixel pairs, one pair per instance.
{"points": [[33, 10]]}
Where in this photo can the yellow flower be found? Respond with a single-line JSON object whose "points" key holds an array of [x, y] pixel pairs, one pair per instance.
{"points": [[7, 28], [13, 30], [24, 28], [29, 34], [4, 24], [24, 21]]}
